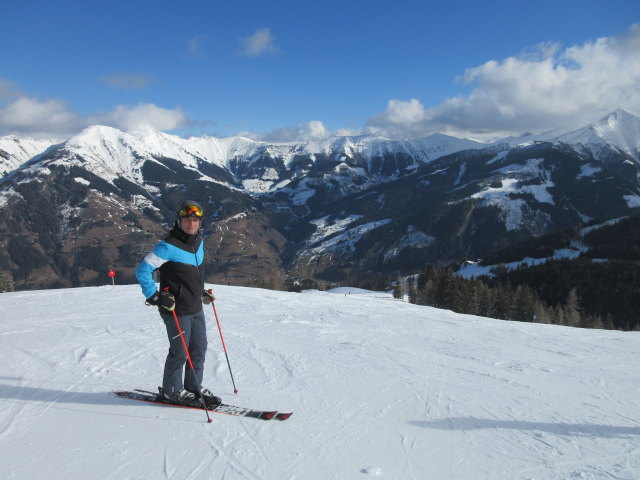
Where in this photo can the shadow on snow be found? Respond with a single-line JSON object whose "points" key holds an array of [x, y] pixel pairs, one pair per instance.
{"points": [[570, 429], [46, 395]]}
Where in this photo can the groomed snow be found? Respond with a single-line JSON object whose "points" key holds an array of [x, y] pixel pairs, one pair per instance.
{"points": [[379, 388]]}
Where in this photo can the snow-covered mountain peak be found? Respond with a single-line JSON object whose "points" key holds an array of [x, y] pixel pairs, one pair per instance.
{"points": [[124, 153], [617, 117], [14, 151], [100, 136], [110, 151], [619, 129], [447, 144]]}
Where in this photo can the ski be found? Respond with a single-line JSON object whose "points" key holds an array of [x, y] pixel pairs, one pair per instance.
{"points": [[151, 397]]}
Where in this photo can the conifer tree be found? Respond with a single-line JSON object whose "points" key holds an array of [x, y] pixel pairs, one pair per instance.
{"points": [[6, 281], [572, 309]]}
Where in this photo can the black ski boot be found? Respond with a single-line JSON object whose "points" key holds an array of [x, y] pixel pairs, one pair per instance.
{"points": [[183, 397], [210, 399]]}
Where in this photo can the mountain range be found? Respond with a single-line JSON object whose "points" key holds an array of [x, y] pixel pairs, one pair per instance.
{"points": [[342, 209]]}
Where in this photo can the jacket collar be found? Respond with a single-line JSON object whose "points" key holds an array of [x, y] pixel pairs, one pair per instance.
{"points": [[184, 237]]}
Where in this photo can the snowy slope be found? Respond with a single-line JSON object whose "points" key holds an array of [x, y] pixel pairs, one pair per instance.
{"points": [[14, 151], [619, 129], [261, 166], [379, 388], [111, 152]]}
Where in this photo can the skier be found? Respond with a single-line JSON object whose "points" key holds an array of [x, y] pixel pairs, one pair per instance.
{"points": [[179, 259]]}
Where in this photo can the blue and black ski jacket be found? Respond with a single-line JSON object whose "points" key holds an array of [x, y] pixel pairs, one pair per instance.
{"points": [[179, 258]]}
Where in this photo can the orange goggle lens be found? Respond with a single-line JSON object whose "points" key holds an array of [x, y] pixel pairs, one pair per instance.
{"points": [[191, 211]]}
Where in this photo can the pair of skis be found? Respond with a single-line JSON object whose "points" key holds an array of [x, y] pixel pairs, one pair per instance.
{"points": [[150, 397]]}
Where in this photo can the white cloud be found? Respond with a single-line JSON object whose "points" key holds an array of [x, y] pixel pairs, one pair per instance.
{"points": [[399, 119], [195, 47], [144, 116], [52, 117], [304, 131], [538, 90], [29, 116], [127, 81], [258, 44], [405, 112]]}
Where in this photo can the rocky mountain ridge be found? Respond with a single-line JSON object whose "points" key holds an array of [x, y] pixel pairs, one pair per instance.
{"points": [[340, 209]]}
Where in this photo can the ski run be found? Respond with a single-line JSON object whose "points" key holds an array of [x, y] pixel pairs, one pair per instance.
{"points": [[380, 389]]}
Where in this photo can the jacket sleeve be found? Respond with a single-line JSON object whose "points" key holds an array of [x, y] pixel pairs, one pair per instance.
{"points": [[150, 263]]}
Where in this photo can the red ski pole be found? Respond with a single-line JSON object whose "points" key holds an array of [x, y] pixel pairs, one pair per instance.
{"points": [[184, 344], [224, 347]]}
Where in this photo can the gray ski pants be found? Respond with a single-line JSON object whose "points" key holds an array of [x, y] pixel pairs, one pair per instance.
{"points": [[195, 336]]}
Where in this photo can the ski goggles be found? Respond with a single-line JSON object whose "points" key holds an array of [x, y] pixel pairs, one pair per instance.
{"points": [[191, 211]]}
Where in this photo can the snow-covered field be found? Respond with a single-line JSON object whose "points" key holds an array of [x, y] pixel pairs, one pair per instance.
{"points": [[379, 388]]}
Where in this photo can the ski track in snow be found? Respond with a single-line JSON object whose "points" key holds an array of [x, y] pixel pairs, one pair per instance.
{"points": [[379, 388]]}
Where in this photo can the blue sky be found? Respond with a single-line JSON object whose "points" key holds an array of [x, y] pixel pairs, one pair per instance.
{"points": [[281, 70]]}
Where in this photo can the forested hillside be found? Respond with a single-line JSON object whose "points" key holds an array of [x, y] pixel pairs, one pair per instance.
{"points": [[588, 276]]}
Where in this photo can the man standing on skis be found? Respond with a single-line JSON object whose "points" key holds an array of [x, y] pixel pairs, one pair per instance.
{"points": [[180, 260]]}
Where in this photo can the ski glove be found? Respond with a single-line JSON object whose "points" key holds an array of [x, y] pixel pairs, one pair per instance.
{"points": [[208, 297], [164, 300]]}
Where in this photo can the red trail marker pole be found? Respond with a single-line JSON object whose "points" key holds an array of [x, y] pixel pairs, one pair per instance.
{"points": [[112, 273]]}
